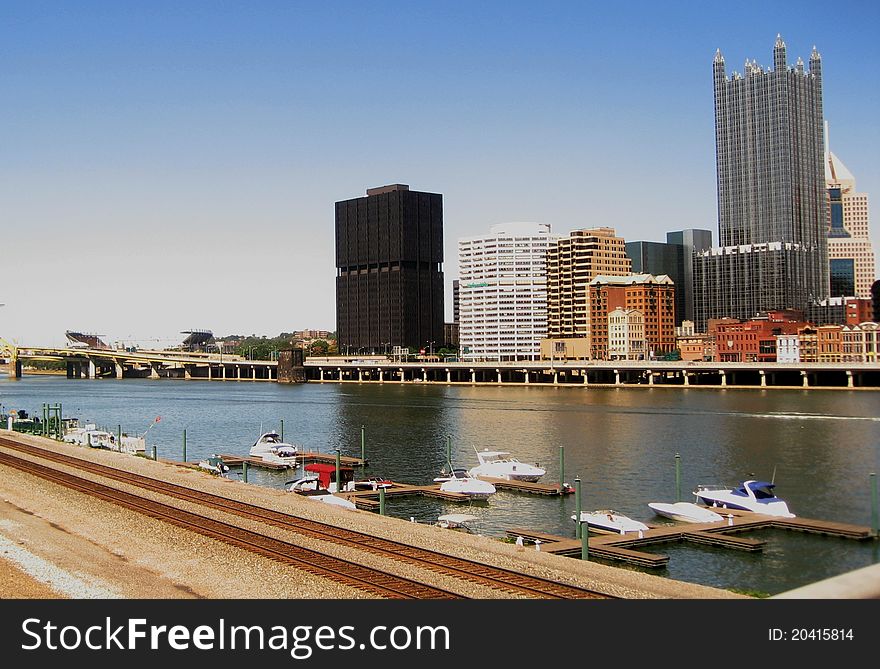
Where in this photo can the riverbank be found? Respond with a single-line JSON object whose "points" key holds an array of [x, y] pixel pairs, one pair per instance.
{"points": [[114, 550]]}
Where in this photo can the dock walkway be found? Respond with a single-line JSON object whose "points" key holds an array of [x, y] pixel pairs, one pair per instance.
{"points": [[621, 547]]}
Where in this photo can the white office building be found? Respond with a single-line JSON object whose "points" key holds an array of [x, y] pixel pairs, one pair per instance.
{"points": [[503, 292]]}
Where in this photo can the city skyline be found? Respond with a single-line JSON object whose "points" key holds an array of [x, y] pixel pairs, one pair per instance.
{"points": [[171, 168]]}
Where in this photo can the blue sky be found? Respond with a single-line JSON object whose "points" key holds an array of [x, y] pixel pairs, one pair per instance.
{"points": [[173, 165]]}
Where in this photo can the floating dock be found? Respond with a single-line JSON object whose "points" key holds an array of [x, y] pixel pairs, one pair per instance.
{"points": [[524, 486], [621, 547], [302, 458], [369, 499]]}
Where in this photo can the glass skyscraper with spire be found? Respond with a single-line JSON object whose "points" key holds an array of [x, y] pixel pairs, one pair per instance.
{"points": [[771, 191]]}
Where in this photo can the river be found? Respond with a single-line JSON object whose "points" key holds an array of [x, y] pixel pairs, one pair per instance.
{"points": [[820, 445]]}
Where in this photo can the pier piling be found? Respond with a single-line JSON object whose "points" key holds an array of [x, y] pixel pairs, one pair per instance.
{"points": [[677, 477]]}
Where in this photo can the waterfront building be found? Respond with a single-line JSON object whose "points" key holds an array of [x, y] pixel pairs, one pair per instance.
{"points": [[675, 258], [653, 296], [755, 339], [694, 346], [850, 253], [771, 192], [450, 335], [830, 343], [389, 277], [626, 334], [840, 311], [808, 344], [503, 292], [572, 262], [788, 348]]}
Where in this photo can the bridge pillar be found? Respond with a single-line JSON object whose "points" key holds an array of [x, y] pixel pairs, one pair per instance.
{"points": [[849, 379], [650, 377], [687, 380], [473, 376], [723, 377], [402, 375], [526, 372], [92, 369], [360, 375], [340, 373], [381, 375], [498, 371], [223, 372], [555, 377], [72, 370], [763, 378], [616, 377], [187, 374], [154, 371], [448, 376], [210, 375], [586, 377], [424, 375], [238, 372], [16, 368], [806, 380], [119, 371]]}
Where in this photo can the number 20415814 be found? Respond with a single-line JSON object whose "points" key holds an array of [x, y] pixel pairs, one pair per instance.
{"points": [[811, 634]]}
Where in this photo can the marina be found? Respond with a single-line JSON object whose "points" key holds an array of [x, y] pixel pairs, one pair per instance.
{"points": [[409, 445], [613, 546]]}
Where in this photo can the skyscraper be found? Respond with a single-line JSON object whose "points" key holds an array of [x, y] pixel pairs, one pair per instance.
{"points": [[389, 278], [850, 253], [771, 191], [571, 263], [503, 292]]}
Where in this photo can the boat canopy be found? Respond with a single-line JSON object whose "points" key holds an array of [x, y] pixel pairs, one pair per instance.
{"points": [[762, 489]]}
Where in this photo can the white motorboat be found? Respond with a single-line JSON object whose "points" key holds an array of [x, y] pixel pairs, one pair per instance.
{"points": [[685, 512], [611, 521], [90, 435], [457, 521], [310, 487], [757, 496], [500, 464], [270, 448], [459, 481]]}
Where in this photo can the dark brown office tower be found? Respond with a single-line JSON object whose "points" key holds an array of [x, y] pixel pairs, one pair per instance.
{"points": [[389, 278]]}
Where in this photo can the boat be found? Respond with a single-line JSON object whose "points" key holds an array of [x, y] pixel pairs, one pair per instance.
{"points": [[271, 448], [368, 484], [500, 465], [611, 521], [458, 480], [756, 496], [685, 512], [457, 521], [316, 485], [214, 465], [90, 435]]}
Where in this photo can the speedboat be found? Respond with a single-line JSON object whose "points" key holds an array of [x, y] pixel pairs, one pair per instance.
{"points": [[757, 496], [310, 487], [457, 521], [459, 481], [270, 448], [611, 521], [685, 512], [500, 464]]}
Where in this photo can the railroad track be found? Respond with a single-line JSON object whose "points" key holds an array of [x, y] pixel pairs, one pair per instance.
{"points": [[470, 570], [314, 562]]}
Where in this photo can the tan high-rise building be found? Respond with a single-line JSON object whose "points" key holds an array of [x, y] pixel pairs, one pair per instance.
{"points": [[572, 262], [850, 254]]}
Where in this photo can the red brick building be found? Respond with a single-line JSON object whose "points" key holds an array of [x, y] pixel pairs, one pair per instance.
{"points": [[753, 340]]}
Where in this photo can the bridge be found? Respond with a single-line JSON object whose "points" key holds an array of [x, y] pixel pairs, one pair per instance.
{"points": [[586, 373], [93, 363], [103, 363]]}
